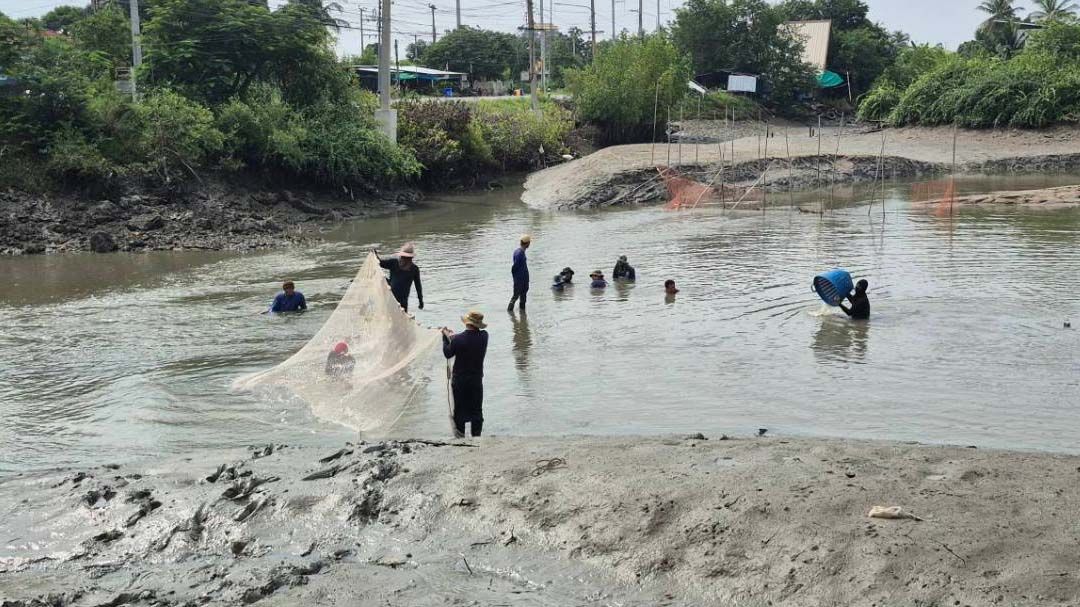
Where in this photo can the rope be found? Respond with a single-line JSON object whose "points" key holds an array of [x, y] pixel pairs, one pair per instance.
{"points": [[543, 466]]}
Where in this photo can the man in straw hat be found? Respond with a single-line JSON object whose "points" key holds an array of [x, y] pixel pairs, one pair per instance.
{"points": [[468, 349], [520, 271], [403, 273]]}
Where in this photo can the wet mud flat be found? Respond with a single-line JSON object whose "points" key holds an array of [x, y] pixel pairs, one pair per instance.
{"points": [[559, 521], [215, 215]]}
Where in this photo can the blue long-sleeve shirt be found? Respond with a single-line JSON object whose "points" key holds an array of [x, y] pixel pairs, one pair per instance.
{"points": [[289, 303], [520, 269]]}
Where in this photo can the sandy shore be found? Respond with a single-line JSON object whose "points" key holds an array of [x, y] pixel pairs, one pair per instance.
{"points": [[588, 181], [1049, 198], [559, 521]]}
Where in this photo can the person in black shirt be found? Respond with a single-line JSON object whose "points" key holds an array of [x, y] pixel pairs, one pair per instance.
{"points": [[623, 270], [468, 349], [860, 303], [403, 273]]}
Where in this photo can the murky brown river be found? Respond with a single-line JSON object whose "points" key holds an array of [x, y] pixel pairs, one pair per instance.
{"points": [[119, 357]]}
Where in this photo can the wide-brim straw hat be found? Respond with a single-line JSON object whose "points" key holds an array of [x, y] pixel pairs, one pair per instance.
{"points": [[407, 250], [526, 238], [475, 319], [595, 273]]}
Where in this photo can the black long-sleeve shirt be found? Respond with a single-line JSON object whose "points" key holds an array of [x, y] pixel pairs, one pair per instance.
{"points": [[860, 306], [470, 347], [401, 280]]}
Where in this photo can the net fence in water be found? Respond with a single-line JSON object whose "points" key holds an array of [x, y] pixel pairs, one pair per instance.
{"points": [[369, 388], [941, 194]]}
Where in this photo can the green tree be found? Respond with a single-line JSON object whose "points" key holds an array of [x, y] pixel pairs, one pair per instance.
{"points": [[106, 31], [227, 45], [1054, 10], [742, 35], [415, 51], [620, 90], [483, 54], [62, 18], [1059, 39], [14, 42]]}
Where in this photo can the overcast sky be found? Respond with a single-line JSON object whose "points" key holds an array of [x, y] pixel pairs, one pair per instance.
{"points": [[948, 22]]}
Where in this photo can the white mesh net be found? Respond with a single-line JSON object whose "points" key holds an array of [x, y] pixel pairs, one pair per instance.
{"points": [[370, 392]]}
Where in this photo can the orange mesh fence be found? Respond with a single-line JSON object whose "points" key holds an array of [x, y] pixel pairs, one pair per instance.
{"points": [[686, 193], [940, 193]]}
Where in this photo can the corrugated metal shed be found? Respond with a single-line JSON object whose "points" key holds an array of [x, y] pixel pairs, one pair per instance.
{"points": [[815, 37]]}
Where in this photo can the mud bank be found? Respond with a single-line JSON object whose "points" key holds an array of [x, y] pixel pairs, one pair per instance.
{"points": [[608, 176], [559, 521], [218, 215], [1047, 198]]}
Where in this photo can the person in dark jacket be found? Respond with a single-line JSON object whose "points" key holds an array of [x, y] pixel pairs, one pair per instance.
{"points": [[520, 272], [403, 273], [468, 349], [339, 363], [623, 270], [289, 300], [567, 275], [860, 303]]}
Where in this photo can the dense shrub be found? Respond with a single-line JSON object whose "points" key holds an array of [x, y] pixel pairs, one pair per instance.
{"points": [[177, 134], [444, 138], [624, 86], [520, 138]]}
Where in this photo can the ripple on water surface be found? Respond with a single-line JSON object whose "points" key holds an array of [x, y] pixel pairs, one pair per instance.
{"points": [[123, 356]]}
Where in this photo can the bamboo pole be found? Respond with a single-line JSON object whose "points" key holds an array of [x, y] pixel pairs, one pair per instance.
{"points": [[765, 172], [884, 135], [817, 181], [952, 177], [790, 170], [655, 106]]}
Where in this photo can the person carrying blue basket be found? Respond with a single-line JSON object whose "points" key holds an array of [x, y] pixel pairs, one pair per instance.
{"points": [[860, 303], [835, 286]]}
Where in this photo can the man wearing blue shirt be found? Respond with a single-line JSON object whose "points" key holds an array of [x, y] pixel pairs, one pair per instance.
{"points": [[289, 300], [520, 271]]}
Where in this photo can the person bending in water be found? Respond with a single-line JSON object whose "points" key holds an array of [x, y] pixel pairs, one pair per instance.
{"points": [[623, 270], [860, 303], [519, 270], [567, 275], [558, 285], [403, 273], [339, 363], [289, 300], [468, 349]]}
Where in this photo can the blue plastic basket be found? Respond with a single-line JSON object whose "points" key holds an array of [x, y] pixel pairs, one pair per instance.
{"points": [[833, 286]]}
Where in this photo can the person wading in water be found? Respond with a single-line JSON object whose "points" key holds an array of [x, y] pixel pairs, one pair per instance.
{"points": [[520, 271], [468, 349], [860, 303], [289, 300], [403, 273], [623, 270]]}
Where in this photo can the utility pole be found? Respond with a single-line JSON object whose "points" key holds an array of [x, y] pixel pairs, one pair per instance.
{"points": [[614, 35], [543, 49], [592, 26], [657, 15], [531, 27], [458, 8], [385, 116], [397, 65], [136, 46], [362, 47], [432, 7], [640, 17]]}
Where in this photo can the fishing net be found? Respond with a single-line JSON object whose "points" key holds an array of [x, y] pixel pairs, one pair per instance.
{"points": [[686, 193], [941, 194], [388, 351]]}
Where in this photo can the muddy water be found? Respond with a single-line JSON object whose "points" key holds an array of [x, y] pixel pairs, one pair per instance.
{"points": [[119, 357]]}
